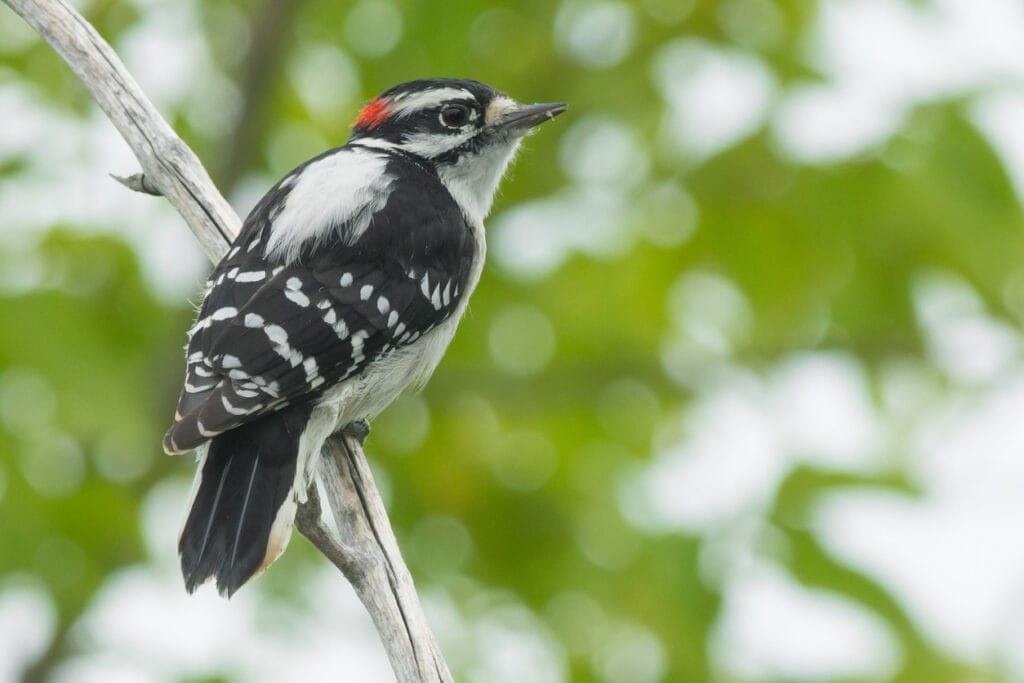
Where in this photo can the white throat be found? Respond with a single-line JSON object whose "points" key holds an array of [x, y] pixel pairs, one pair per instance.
{"points": [[473, 182]]}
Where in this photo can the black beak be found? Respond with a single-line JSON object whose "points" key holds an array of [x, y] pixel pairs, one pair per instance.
{"points": [[527, 116]]}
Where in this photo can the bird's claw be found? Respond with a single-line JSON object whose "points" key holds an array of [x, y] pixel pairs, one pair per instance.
{"points": [[357, 429]]}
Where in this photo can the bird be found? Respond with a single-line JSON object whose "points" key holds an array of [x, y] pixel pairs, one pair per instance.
{"points": [[343, 289]]}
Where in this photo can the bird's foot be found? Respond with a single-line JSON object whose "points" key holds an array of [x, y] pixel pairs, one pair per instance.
{"points": [[357, 429]]}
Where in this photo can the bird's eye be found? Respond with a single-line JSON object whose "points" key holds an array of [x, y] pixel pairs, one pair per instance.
{"points": [[454, 115]]}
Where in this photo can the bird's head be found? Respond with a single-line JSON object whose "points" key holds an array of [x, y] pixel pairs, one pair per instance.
{"points": [[466, 130]]}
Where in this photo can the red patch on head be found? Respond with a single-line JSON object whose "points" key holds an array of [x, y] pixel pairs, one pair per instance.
{"points": [[373, 114]]}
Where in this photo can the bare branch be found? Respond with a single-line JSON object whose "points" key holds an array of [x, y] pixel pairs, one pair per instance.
{"points": [[170, 167], [364, 548], [360, 543]]}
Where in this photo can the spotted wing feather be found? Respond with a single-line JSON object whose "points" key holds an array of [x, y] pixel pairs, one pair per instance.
{"points": [[269, 334]]}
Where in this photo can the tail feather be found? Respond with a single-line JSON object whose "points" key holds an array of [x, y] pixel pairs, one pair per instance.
{"points": [[244, 503]]}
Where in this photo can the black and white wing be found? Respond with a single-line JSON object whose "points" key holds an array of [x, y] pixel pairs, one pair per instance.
{"points": [[273, 331]]}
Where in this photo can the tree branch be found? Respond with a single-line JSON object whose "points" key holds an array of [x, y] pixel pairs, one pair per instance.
{"points": [[364, 548], [271, 34], [360, 541], [169, 166]]}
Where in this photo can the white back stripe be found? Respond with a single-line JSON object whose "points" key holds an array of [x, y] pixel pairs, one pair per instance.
{"points": [[340, 192]]}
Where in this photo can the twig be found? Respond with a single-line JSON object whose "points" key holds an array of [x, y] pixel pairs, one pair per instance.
{"points": [[362, 544], [138, 182]]}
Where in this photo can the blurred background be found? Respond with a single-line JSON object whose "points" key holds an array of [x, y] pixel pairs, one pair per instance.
{"points": [[740, 396]]}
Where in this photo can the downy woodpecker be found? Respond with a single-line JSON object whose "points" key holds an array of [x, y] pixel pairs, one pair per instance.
{"points": [[343, 288]]}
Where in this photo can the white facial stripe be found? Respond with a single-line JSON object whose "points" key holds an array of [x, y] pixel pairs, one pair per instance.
{"points": [[498, 108], [430, 145], [374, 142], [404, 105]]}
